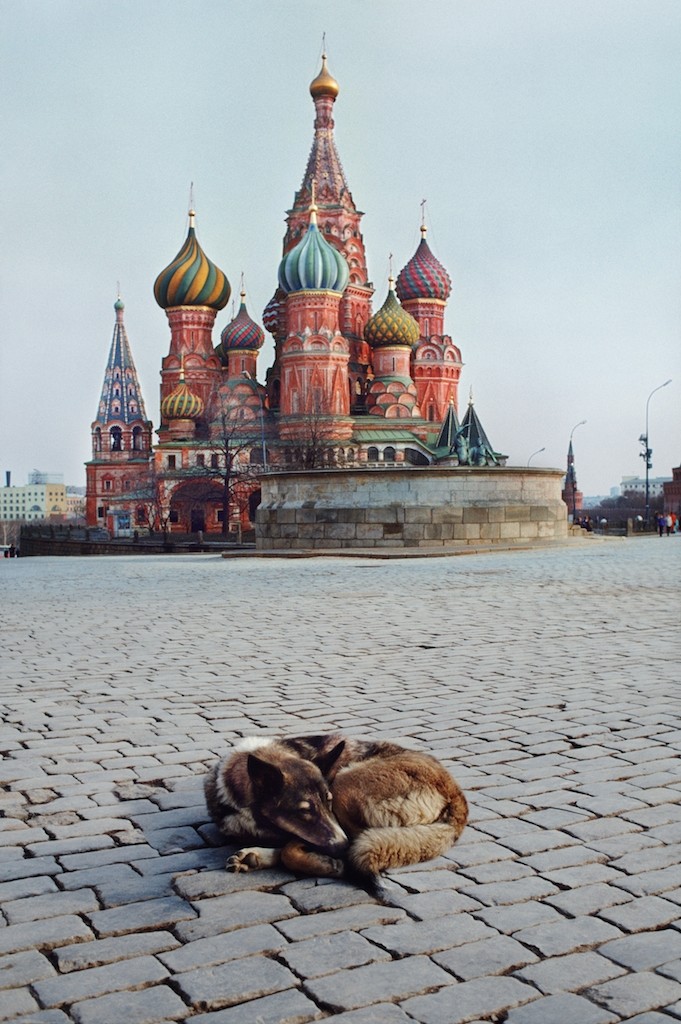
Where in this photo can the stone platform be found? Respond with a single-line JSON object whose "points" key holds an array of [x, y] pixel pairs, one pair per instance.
{"points": [[415, 507]]}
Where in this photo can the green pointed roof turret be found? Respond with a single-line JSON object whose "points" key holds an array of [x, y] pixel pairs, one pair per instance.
{"points": [[313, 264]]}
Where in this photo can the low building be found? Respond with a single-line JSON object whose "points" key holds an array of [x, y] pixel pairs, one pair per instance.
{"points": [[33, 502]]}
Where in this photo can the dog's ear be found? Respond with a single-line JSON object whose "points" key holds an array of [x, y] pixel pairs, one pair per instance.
{"points": [[326, 762], [267, 779]]}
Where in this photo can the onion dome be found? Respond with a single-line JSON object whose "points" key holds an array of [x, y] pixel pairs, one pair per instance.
{"points": [[313, 264], [119, 305], [272, 312], [242, 333], [192, 279], [391, 325], [181, 403], [423, 277], [324, 84]]}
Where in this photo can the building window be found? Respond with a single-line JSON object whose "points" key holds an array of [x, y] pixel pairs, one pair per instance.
{"points": [[140, 517], [201, 460], [389, 454], [214, 462], [172, 462], [100, 511], [107, 485], [174, 516], [372, 454], [116, 435]]}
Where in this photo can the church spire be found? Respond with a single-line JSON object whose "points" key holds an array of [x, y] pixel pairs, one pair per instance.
{"points": [[121, 400]]}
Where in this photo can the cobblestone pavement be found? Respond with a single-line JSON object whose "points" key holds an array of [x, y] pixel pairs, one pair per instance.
{"points": [[547, 680]]}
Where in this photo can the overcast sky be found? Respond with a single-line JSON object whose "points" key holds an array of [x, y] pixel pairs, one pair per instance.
{"points": [[544, 135]]}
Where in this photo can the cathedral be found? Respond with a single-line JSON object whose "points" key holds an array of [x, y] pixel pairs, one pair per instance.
{"points": [[347, 387]]}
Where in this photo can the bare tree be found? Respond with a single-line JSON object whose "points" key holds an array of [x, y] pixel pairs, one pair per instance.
{"points": [[315, 446], [229, 457]]}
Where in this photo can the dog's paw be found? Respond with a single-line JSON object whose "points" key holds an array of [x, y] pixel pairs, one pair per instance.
{"points": [[252, 858]]}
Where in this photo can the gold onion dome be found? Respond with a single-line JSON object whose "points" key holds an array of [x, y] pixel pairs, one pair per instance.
{"points": [[324, 84], [192, 279], [391, 325], [181, 403]]}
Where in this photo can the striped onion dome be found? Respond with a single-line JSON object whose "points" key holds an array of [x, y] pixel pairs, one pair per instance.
{"points": [[391, 325], [313, 264], [423, 277], [242, 333], [192, 279], [324, 84], [272, 312], [181, 403]]}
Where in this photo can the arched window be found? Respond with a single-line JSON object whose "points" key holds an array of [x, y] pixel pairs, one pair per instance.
{"points": [[372, 454], [97, 440], [137, 439], [116, 439], [431, 412], [389, 454], [255, 456], [350, 455]]}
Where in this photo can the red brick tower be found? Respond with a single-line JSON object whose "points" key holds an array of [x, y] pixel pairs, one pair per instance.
{"points": [[572, 497], [191, 290], [423, 287], [314, 355], [339, 222]]}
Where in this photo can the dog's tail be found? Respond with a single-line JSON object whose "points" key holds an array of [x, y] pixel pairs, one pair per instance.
{"points": [[393, 847]]}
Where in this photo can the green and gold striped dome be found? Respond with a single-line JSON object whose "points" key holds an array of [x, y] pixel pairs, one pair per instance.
{"points": [[181, 403], [391, 325], [192, 279]]}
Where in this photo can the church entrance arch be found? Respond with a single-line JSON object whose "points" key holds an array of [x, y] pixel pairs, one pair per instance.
{"points": [[195, 506]]}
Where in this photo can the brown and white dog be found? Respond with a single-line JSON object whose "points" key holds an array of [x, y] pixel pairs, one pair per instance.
{"points": [[332, 806]]}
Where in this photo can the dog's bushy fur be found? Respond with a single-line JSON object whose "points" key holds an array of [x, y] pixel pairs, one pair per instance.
{"points": [[329, 805]]}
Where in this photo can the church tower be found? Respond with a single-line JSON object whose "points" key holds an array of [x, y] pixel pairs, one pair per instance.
{"points": [[191, 289], [121, 432], [423, 287], [338, 220], [314, 355]]}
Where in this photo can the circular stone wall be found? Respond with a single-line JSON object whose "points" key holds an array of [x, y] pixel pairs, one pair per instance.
{"points": [[418, 506]]}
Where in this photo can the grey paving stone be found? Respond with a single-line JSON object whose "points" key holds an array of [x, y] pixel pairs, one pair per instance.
{"points": [[643, 914], [378, 1013], [352, 918], [410, 937], [211, 988], [150, 1006], [20, 969], [16, 1001], [646, 950], [141, 916], [438, 903], [233, 911], [37, 885], [589, 899], [496, 955], [635, 993], [311, 897], [98, 981], [518, 916], [36, 908], [570, 973], [482, 997], [43, 1017], [43, 935], [567, 936], [568, 1009], [289, 1007], [231, 945], [375, 983], [326, 954], [27, 868], [105, 951]]}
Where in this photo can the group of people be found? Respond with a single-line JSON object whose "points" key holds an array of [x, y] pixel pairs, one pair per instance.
{"points": [[11, 552], [667, 523]]}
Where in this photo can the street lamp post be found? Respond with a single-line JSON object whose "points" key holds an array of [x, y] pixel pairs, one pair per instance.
{"points": [[648, 451], [574, 476], [538, 452], [262, 417]]}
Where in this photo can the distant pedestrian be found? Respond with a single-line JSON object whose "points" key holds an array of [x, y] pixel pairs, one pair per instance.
{"points": [[661, 523], [12, 551], [669, 523]]}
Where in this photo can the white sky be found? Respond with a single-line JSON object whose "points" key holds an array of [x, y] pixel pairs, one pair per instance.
{"points": [[544, 134]]}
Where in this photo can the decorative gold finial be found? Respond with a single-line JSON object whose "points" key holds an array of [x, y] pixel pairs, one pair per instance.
{"points": [[192, 212], [313, 202], [424, 229], [243, 290], [391, 279], [470, 396], [324, 84]]}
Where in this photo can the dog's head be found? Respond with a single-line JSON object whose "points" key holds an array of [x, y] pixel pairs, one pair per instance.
{"points": [[293, 795]]}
